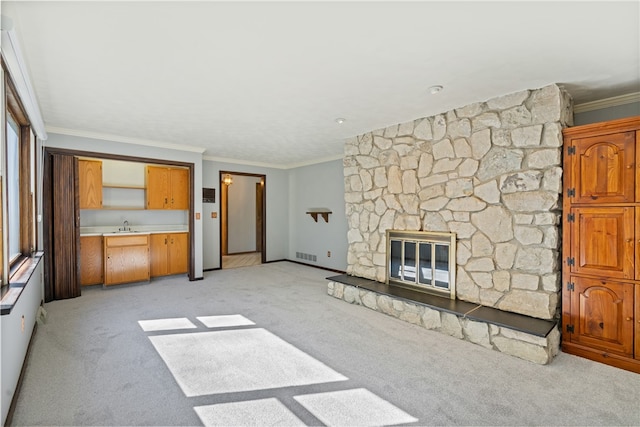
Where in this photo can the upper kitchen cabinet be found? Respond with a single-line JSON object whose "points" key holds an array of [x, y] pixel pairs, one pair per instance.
{"points": [[90, 183], [167, 188]]}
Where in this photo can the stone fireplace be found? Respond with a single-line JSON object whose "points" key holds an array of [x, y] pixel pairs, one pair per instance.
{"points": [[489, 172]]}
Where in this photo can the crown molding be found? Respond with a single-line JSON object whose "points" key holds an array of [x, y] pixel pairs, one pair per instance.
{"points": [[316, 161], [12, 56], [607, 103], [272, 165], [123, 139]]}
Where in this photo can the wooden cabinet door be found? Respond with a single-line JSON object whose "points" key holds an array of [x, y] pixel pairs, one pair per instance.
{"points": [[91, 262], [602, 242], [178, 251], [90, 184], [602, 315], [179, 189], [603, 168], [158, 187], [126, 264], [158, 252]]}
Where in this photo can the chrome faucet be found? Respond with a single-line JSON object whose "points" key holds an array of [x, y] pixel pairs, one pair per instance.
{"points": [[125, 226]]}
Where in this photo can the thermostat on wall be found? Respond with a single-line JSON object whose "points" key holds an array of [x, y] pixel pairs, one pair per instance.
{"points": [[208, 195]]}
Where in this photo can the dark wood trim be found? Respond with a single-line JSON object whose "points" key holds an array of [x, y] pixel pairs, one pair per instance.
{"points": [[192, 240], [311, 265], [14, 104], [109, 156], [264, 219], [225, 212], [47, 230]]}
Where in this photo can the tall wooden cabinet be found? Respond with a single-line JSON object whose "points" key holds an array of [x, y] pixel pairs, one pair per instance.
{"points": [[601, 243]]}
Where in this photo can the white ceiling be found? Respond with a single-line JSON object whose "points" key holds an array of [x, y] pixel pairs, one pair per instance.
{"points": [[263, 82]]}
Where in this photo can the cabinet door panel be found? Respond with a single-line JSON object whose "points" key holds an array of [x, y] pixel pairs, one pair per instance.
{"points": [[603, 241], [91, 263], [178, 251], [602, 314], [158, 254], [90, 184], [157, 187], [604, 169], [126, 264], [179, 189]]}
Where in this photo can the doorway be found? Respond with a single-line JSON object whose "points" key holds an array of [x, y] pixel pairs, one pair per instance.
{"points": [[242, 219]]}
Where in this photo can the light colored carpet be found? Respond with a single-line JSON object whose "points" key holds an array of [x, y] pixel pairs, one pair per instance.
{"points": [[233, 361], [357, 407], [225, 321], [166, 324], [93, 364], [263, 412]]}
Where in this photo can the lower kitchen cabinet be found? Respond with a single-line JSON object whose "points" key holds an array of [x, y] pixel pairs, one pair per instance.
{"points": [[126, 259], [169, 254], [91, 260]]}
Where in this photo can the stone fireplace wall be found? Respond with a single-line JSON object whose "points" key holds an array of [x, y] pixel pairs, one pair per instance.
{"points": [[490, 172]]}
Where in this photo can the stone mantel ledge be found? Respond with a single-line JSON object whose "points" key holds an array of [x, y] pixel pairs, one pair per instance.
{"points": [[536, 349]]}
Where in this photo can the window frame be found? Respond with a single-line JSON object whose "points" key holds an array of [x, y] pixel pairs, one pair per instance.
{"points": [[14, 109]]}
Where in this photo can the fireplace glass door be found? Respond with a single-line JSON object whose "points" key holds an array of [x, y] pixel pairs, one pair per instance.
{"points": [[425, 261]]}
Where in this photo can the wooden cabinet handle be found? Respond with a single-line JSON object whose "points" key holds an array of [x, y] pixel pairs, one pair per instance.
{"points": [[165, 240], [629, 318]]}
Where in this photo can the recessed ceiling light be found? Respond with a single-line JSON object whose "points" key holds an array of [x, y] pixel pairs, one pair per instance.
{"points": [[340, 120], [435, 89]]}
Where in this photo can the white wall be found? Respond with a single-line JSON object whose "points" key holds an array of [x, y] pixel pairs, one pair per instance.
{"points": [[318, 186], [134, 150], [241, 209], [276, 217], [15, 338]]}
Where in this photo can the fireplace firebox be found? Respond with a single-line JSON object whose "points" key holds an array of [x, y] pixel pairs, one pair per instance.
{"points": [[422, 260]]}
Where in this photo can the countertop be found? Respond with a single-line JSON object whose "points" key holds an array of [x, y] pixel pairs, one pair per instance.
{"points": [[112, 230]]}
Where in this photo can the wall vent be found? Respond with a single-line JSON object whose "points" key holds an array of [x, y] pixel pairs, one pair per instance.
{"points": [[306, 257]]}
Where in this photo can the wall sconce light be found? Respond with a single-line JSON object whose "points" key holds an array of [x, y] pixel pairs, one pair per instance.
{"points": [[227, 180]]}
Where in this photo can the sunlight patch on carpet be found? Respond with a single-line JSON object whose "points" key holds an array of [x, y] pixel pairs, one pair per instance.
{"points": [[166, 324], [238, 360], [263, 412], [224, 321], [358, 407]]}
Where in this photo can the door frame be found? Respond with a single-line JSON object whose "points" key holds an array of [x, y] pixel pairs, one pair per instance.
{"points": [[224, 212], [48, 202]]}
